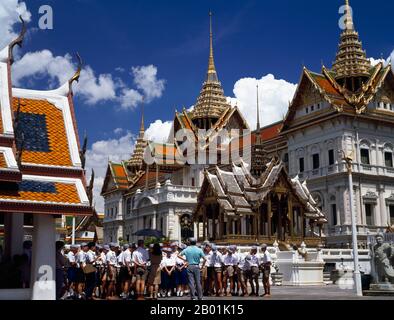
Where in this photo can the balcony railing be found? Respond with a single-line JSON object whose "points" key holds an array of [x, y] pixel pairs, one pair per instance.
{"points": [[340, 167]]}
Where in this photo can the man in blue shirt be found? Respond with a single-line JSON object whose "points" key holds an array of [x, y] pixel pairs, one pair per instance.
{"points": [[193, 255]]}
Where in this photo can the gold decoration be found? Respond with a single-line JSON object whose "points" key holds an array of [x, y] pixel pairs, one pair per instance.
{"points": [[77, 74]]}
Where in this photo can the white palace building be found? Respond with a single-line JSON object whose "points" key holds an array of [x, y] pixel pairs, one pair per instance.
{"points": [[347, 109]]}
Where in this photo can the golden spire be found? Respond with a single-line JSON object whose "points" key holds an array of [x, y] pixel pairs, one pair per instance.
{"points": [[211, 103], [212, 76], [136, 161], [142, 127], [351, 61], [349, 17]]}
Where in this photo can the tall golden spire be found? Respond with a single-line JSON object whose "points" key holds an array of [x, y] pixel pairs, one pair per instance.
{"points": [[212, 75], [142, 126], [136, 161], [349, 17], [351, 66], [211, 103]]}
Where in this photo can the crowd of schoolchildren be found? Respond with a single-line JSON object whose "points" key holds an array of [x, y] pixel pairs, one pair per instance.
{"points": [[132, 271]]}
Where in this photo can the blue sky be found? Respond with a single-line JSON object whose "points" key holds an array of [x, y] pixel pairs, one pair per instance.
{"points": [[166, 42], [252, 38]]}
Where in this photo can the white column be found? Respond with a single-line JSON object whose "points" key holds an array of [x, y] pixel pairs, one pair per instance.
{"points": [[14, 233], [382, 220], [43, 267]]}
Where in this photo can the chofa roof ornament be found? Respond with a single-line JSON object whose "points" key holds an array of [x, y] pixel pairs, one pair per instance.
{"points": [[77, 74], [18, 41]]}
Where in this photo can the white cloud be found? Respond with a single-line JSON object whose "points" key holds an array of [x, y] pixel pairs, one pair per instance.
{"points": [[91, 88], [130, 98], [374, 61], [97, 159], [9, 16], [58, 69], [158, 131], [118, 131], [145, 78], [274, 97]]}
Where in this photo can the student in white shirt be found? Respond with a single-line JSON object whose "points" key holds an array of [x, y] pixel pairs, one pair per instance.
{"points": [[265, 265], [125, 273], [230, 262], [208, 271], [253, 273], [180, 274], [72, 269], [140, 258], [90, 272], [80, 260], [168, 271], [217, 264], [205, 276], [111, 269], [241, 274]]}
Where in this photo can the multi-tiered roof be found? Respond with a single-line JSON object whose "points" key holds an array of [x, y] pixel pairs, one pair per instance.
{"points": [[211, 103], [41, 167], [350, 86]]}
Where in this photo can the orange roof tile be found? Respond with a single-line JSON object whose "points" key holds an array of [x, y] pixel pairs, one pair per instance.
{"points": [[58, 154], [326, 85], [119, 175], [64, 193], [268, 132], [151, 176], [3, 164]]}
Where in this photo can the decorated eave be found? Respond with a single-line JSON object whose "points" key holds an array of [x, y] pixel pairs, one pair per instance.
{"points": [[117, 173], [41, 165], [46, 195], [238, 193], [339, 98]]}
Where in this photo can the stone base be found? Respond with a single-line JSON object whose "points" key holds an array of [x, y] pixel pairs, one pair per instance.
{"points": [[382, 286], [380, 289]]}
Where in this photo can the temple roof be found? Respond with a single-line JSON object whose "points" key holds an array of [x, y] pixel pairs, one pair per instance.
{"points": [[137, 158], [267, 133], [351, 60], [211, 103], [38, 194], [40, 157], [237, 192]]}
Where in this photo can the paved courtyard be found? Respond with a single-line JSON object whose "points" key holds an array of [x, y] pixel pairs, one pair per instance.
{"points": [[329, 292]]}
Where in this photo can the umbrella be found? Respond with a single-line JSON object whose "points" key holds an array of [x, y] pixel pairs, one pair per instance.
{"points": [[149, 233]]}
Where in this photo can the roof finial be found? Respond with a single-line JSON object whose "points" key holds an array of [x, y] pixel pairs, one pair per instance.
{"points": [[18, 41], [349, 16], [211, 63], [77, 73], [142, 127], [258, 108]]}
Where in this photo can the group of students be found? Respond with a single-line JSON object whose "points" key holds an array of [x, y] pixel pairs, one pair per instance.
{"points": [[90, 271]]}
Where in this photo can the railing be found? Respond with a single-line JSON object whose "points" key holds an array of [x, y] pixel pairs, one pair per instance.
{"points": [[340, 167]]}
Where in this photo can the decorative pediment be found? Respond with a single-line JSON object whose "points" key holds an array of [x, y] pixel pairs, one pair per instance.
{"points": [[370, 197]]}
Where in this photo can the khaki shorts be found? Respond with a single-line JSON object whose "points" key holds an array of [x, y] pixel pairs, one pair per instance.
{"points": [[228, 271], [141, 273], [111, 273], [218, 270], [254, 272]]}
